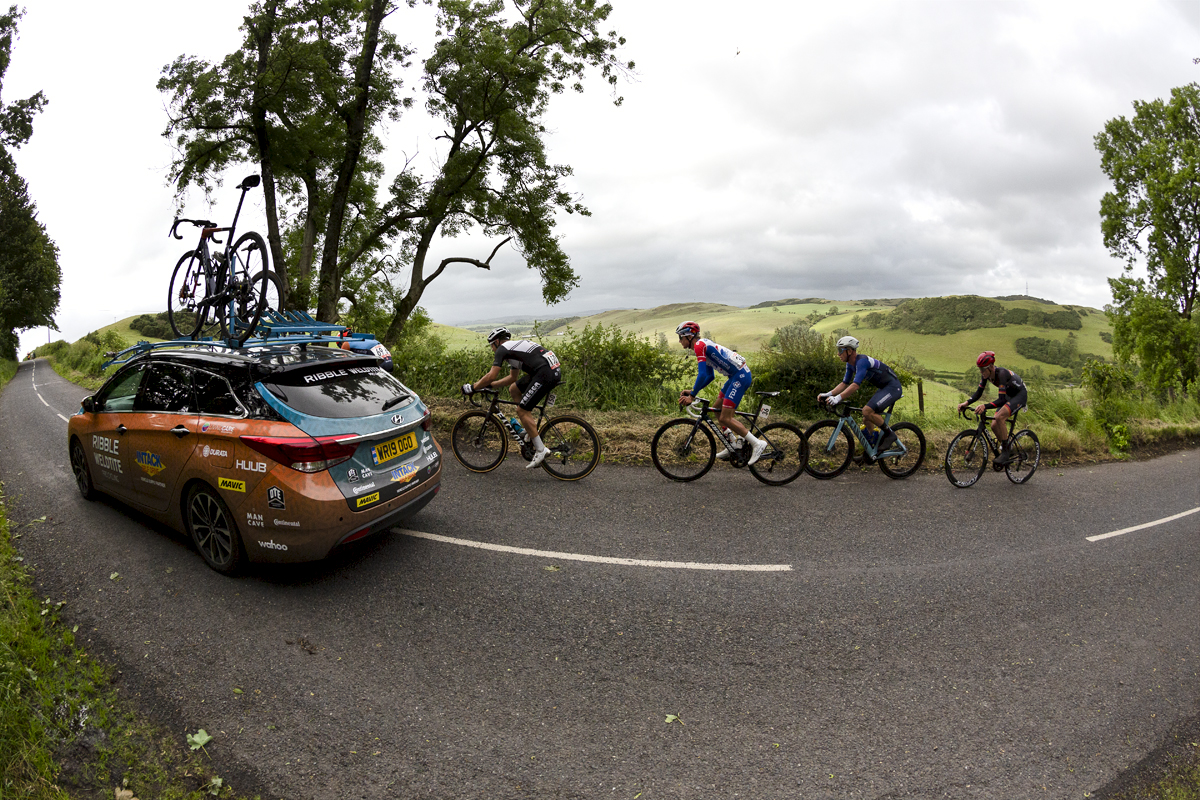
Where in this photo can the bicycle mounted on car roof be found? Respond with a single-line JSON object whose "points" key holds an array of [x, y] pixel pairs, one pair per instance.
{"points": [[967, 456], [480, 439], [235, 284], [684, 449], [831, 445]]}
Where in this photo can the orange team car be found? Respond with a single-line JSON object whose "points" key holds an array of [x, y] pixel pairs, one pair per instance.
{"points": [[280, 454]]}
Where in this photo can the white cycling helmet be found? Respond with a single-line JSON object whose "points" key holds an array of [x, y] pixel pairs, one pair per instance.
{"points": [[499, 333], [847, 342]]}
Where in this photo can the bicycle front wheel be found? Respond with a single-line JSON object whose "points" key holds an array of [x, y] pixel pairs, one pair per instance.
{"points": [[1027, 454], [905, 456], [683, 450], [574, 448], [786, 455], [479, 442], [829, 450], [266, 292], [186, 309], [966, 458]]}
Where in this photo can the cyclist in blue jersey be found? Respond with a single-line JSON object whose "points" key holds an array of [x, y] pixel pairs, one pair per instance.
{"points": [[862, 369], [542, 373], [1013, 396], [710, 356]]}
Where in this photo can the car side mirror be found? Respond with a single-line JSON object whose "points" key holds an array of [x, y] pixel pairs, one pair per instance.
{"points": [[89, 404]]}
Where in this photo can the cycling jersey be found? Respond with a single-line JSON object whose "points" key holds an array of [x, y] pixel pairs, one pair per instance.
{"points": [[710, 356], [869, 370], [1011, 387], [525, 355]]}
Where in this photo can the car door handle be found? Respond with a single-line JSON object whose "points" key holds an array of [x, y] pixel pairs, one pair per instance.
{"points": [[180, 431], [121, 429]]}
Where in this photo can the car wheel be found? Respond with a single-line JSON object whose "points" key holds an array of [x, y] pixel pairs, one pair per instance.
{"points": [[213, 530], [83, 475]]}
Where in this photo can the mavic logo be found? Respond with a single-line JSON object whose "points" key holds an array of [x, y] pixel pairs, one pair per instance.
{"points": [[366, 501], [231, 485]]}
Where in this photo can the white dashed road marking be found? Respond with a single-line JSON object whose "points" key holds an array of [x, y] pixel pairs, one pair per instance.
{"points": [[1143, 525], [626, 562]]}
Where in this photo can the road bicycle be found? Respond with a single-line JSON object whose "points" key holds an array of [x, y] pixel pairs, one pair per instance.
{"points": [[685, 449], [480, 439], [967, 455], [831, 445], [235, 285]]}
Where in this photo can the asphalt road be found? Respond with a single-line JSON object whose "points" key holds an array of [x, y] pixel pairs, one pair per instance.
{"points": [[926, 641]]}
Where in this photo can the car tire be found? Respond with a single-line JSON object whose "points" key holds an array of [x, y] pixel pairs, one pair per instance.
{"points": [[213, 529], [83, 475]]}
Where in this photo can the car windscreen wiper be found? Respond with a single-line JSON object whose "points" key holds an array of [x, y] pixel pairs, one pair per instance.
{"points": [[395, 400]]}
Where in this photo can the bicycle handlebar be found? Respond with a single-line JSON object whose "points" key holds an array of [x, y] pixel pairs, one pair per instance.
{"points": [[199, 223]]}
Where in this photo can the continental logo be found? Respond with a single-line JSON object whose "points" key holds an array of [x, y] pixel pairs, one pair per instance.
{"points": [[151, 463], [366, 501], [231, 485]]}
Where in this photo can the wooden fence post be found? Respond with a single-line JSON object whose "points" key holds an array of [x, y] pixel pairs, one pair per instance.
{"points": [[921, 395]]}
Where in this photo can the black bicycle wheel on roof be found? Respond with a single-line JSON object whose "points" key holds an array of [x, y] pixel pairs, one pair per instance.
{"points": [[786, 455], [966, 458], [249, 291], [1027, 454], [186, 309], [479, 441], [574, 448], [683, 450], [829, 450]]}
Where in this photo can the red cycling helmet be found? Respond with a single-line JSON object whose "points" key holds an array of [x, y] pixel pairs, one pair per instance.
{"points": [[986, 359], [688, 328]]}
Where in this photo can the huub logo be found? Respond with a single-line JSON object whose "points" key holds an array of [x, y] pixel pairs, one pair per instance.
{"points": [[251, 466]]}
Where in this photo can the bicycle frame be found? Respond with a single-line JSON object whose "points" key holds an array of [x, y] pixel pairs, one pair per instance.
{"points": [[986, 430], [843, 413], [493, 410], [706, 418]]}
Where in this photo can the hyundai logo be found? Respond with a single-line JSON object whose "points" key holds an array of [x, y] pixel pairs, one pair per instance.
{"points": [[396, 418]]}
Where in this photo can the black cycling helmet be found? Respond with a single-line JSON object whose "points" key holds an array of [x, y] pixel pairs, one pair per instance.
{"points": [[499, 334]]}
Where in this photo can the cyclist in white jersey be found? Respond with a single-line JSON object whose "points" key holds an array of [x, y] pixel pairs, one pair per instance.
{"points": [[542, 373]]}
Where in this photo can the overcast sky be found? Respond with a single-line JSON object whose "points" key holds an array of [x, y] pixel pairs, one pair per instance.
{"points": [[767, 149]]}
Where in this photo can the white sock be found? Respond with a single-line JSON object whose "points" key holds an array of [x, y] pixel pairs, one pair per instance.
{"points": [[537, 443]]}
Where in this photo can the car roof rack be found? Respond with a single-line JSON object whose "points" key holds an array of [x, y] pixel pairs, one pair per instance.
{"points": [[275, 329]]}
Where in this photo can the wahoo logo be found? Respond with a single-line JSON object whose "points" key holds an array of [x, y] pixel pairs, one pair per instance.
{"points": [[271, 545], [405, 474], [150, 463], [231, 485], [366, 501]]}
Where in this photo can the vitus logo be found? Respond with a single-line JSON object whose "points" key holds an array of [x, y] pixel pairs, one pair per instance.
{"points": [[275, 497]]}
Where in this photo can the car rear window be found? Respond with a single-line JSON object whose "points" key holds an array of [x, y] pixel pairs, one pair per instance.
{"points": [[339, 391]]}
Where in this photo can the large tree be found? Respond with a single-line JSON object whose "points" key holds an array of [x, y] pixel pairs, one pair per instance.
{"points": [[29, 272], [305, 99], [1151, 220]]}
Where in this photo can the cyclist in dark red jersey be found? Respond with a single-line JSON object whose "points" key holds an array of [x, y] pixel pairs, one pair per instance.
{"points": [[542, 373], [1013, 396]]}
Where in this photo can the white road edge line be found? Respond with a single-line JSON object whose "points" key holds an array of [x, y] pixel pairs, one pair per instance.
{"points": [[1143, 525], [47, 405], [64, 419], [627, 562]]}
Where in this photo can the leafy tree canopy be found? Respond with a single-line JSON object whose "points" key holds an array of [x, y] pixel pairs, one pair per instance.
{"points": [[306, 97], [1151, 218], [29, 271]]}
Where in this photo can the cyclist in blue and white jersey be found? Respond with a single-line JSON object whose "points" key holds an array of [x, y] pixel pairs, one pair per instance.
{"points": [[710, 356], [542, 373], [862, 369], [1013, 396]]}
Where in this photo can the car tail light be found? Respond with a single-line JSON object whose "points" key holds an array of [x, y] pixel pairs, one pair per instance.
{"points": [[427, 421], [304, 453]]}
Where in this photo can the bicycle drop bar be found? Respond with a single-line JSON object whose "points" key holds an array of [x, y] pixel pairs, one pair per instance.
{"points": [[199, 223]]}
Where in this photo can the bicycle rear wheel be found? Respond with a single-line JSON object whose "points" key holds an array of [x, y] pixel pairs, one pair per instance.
{"points": [[479, 442], [683, 450], [186, 309], [1027, 454], [966, 458], [903, 465], [786, 455], [829, 451], [249, 287], [574, 448]]}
